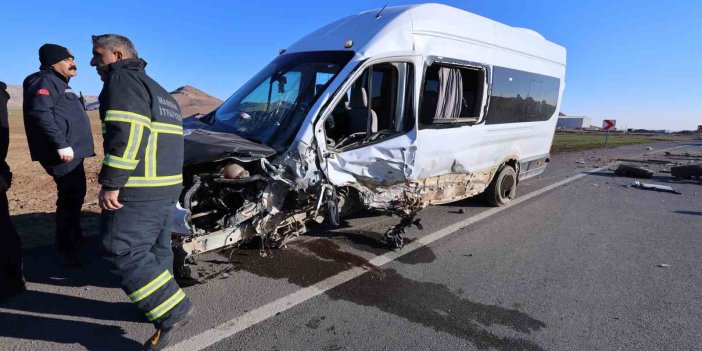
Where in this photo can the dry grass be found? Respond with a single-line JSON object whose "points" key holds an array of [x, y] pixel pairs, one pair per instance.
{"points": [[566, 141]]}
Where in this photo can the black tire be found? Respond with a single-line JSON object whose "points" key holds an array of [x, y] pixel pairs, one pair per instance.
{"points": [[503, 188]]}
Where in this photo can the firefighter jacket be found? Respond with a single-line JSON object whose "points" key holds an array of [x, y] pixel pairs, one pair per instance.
{"points": [[54, 118], [143, 135]]}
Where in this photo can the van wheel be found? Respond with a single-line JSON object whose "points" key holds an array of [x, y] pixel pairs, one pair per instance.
{"points": [[503, 188]]}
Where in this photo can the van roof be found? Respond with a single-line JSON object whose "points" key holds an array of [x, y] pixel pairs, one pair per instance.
{"points": [[394, 29]]}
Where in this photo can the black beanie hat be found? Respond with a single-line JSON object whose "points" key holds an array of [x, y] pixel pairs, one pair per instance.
{"points": [[52, 53]]}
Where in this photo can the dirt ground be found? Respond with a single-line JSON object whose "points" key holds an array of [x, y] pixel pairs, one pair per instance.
{"points": [[33, 194]]}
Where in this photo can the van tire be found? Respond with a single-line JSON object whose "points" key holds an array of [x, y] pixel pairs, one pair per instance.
{"points": [[503, 188]]}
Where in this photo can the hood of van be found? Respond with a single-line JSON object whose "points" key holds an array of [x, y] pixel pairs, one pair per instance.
{"points": [[203, 144]]}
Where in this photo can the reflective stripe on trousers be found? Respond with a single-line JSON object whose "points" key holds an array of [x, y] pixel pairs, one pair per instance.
{"points": [[136, 240]]}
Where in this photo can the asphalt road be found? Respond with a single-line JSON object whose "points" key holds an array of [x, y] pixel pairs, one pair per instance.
{"points": [[580, 262]]}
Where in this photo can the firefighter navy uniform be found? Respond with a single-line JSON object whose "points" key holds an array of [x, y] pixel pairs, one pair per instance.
{"points": [[54, 118], [143, 143]]}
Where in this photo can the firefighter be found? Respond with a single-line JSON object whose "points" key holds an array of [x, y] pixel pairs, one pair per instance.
{"points": [[141, 180], [59, 137], [11, 279]]}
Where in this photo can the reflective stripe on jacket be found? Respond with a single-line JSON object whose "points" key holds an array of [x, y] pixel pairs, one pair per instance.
{"points": [[143, 135]]}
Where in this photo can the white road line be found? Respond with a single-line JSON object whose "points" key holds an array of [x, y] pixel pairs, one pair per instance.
{"points": [[233, 326]]}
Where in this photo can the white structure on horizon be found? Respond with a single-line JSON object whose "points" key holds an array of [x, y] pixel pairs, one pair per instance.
{"points": [[573, 122]]}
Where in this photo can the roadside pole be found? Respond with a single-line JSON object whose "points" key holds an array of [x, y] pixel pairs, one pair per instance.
{"points": [[608, 124], [606, 137]]}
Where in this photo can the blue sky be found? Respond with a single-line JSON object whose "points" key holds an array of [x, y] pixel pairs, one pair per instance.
{"points": [[639, 62]]}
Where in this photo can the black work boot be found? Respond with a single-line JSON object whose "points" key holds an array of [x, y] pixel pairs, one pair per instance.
{"points": [[164, 336]]}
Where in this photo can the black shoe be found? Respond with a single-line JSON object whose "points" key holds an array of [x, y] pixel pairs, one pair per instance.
{"points": [[14, 287], [164, 336]]}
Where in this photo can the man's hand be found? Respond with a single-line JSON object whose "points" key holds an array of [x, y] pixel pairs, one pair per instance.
{"points": [[66, 154], [4, 186], [108, 200]]}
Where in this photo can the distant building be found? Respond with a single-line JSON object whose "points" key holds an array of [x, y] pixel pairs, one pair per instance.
{"points": [[648, 131], [573, 122]]}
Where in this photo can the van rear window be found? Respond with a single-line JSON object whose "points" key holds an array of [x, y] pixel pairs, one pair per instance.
{"points": [[519, 96]]}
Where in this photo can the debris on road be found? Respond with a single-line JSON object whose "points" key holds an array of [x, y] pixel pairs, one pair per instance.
{"points": [[649, 148], [687, 172], [686, 154], [650, 160], [664, 265], [580, 162], [633, 171], [655, 187]]}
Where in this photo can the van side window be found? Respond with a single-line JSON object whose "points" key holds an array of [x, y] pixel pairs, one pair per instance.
{"points": [[451, 94], [519, 96], [378, 105]]}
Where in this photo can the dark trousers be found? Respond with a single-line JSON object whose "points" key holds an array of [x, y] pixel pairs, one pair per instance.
{"points": [[70, 183], [10, 247], [137, 241]]}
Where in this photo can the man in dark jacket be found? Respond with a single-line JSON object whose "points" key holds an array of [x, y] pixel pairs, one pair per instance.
{"points": [[11, 280], [59, 137], [141, 180]]}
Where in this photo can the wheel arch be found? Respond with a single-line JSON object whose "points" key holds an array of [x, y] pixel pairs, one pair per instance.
{"points": [[512, 161]]}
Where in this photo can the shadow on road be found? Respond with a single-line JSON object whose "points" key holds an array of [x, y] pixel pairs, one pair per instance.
{"points": [[303, 263], [477, 201], [92, 336], [41, 264], [608, 174], [43, 267], [373, 241], [66, 305], [38, 229], [657, 178], [364, 240], [691, 213]]}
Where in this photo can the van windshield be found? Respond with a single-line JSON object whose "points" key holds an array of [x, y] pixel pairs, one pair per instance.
{"points": [[270, 107]]}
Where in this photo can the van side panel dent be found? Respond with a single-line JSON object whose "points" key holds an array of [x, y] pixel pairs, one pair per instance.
{"points": [[385, 163], [410, 197], [454, 186]]}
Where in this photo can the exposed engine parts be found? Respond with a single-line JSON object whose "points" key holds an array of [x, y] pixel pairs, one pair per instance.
{"points": [[227, 202]]}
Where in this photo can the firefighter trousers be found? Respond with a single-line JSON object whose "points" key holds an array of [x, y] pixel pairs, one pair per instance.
{"points": [[137, 241]]}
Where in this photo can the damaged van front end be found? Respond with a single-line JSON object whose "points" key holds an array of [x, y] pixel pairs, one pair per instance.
{"points": [[237, 189], [247, 173]]}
